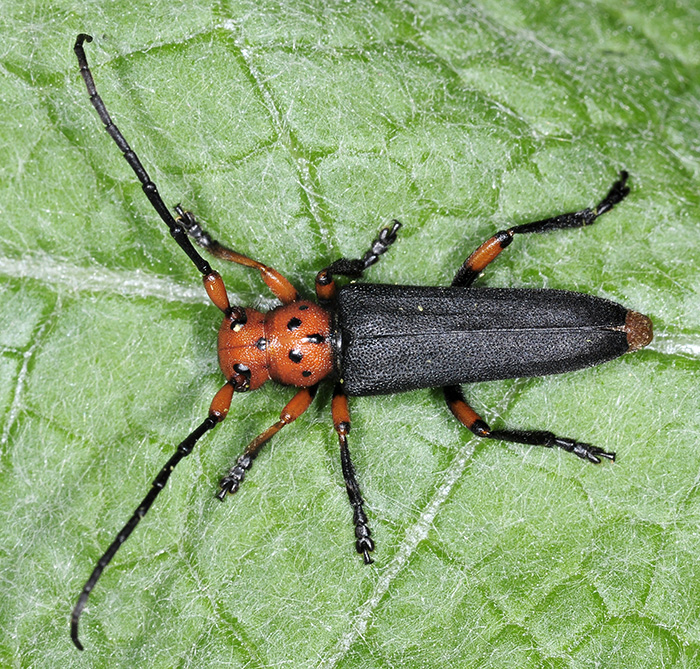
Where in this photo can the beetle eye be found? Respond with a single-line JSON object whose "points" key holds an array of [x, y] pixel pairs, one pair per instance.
{"points": [[241, 379], [238, 318]]}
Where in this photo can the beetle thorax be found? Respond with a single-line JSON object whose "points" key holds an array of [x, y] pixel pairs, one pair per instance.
{"points": [[290, 345]]}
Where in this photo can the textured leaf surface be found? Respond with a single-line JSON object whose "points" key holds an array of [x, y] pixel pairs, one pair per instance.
{"points": [[295, 130]]}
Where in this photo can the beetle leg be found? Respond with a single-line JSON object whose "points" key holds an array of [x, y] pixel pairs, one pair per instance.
{"points": [[353, 268], [296, 406], [279, 285], [491, 248], [217, 412], [578, 219], [470, 419], [341, 421]]}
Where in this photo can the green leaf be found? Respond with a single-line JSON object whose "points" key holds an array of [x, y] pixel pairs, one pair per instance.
{"points": [[295, 131]]}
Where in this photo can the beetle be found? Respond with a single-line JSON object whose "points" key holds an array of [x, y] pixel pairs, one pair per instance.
{"points": [[374, 339]]}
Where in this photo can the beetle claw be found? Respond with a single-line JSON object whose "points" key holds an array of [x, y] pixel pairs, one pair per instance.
{"points": [[604, 454], [582, 450], [228, 487], [592, 453]]}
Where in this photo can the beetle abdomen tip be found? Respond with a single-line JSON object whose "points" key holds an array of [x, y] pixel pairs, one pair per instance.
{"points": [[639, 329]]}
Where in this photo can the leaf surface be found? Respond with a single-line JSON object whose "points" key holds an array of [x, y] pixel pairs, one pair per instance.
{"points": [[295, 131]]}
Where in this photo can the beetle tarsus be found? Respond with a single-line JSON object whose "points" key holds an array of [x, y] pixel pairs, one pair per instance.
{"points": [[226, 489], [232, 481], [595, 454], [192, 227], [583, 450], [229, 486], [364, 543], [386, 237]]}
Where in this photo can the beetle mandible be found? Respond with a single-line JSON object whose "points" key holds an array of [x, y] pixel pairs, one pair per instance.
{"points": [[375, 339]]}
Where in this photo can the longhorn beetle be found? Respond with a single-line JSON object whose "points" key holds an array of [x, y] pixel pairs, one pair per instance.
{"points": [[373, 339]]}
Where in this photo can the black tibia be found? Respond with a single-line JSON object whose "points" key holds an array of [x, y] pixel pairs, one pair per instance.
{"points": [[470, 419], [363, 541], [149, 188], [578, 219], [341, 420], [550, 440], [490, 249]]}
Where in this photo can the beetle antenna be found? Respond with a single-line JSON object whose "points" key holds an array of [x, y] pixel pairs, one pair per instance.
{"points": [[177, 232], [183, 450]]}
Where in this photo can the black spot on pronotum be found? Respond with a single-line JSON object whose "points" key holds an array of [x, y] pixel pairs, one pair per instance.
{"points": [[295, 355], [315, 338], [306, 373], [303, 307], [293, 324]]}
